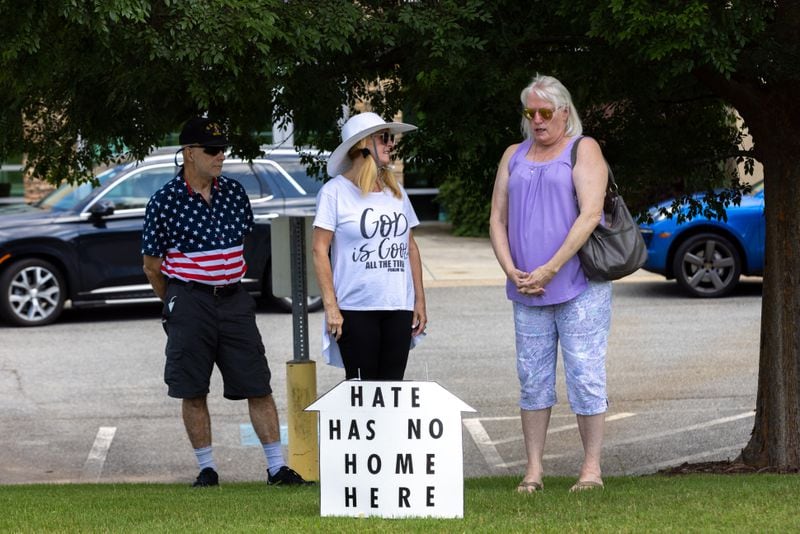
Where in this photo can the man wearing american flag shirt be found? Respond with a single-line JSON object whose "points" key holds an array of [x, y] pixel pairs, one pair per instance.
{"points": [[193, 245]]}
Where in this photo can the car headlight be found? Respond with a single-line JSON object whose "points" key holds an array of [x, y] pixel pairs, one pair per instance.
{"points": [[658, 216]]}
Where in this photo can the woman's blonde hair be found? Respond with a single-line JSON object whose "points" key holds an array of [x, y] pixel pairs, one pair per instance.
{"points": [[368, 175]]}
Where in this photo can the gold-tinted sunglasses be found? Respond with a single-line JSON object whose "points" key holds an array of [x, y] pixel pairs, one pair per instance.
{"points": [[545, 113]]}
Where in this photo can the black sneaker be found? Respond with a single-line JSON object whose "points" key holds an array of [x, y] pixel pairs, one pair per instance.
{"points": [[207, 478], [286, 476]]}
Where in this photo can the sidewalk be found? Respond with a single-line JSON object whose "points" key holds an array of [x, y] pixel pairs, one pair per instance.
{"points": [[449, 261]]}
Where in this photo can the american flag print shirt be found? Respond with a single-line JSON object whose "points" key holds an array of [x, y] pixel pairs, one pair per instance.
{"points": [[199, 242]]}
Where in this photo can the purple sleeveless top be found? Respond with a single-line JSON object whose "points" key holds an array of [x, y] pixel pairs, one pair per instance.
{"points": [[541, 211]]}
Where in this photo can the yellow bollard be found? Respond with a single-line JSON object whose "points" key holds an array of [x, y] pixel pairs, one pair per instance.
{"points": [[301, 391]]}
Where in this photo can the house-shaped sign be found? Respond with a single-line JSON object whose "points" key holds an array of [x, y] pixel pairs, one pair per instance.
{"points": [[390, 449]]}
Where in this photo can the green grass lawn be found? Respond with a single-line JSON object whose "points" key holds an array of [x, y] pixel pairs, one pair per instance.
{"points": [[692, 503]]}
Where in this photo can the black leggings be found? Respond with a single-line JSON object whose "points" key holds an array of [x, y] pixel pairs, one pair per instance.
{"points": [[375, 344]]}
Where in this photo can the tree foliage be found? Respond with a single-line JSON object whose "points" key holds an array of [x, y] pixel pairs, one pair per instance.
{"points": [[456, 70], [656, 82], [80, 80]]}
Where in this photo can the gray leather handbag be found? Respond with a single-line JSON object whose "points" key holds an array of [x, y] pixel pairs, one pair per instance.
{"points": [[616, 248]]}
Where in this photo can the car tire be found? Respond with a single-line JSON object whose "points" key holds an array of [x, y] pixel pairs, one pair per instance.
{"points": [[32, 293], [285, 303], [707, 265]]}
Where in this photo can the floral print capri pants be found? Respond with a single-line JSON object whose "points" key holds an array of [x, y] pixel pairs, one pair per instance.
{"points": [[581, 326]]}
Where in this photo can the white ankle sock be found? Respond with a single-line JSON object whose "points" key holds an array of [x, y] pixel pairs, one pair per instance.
{"points": [[205, 458], [274, 455]]}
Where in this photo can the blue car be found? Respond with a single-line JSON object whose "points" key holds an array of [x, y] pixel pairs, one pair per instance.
{"points": [[707, 256]]}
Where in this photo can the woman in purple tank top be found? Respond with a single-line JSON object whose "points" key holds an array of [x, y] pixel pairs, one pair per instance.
{"points": [[543, 211]]}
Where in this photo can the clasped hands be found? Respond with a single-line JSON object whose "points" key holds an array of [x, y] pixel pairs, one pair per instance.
{"points": [[532, 283]]}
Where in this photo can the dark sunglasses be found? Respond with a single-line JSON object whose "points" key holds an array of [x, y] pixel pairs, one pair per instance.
{"points": [[545, 113], [211, 150], [385, 137]]}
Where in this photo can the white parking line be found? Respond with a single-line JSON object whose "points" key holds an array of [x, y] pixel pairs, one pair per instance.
{"points": [[97, 456], [698, 426], [657, 435], [484, 444], [647, 469], [516, 417], [518, 463], [488, 449], [557, 429]]}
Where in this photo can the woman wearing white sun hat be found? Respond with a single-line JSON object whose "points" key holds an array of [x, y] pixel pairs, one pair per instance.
{"points": [[367, 263]]}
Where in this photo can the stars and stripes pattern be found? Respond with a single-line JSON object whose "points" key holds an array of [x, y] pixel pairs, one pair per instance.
{"points": [[199, 242]]}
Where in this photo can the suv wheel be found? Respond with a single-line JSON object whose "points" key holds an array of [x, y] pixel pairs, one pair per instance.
{"points": [[707, 265], [32, 293]]}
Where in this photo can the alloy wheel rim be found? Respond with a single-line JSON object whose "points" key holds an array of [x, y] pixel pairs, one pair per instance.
{"points": [[34, 294], [709, 267]]}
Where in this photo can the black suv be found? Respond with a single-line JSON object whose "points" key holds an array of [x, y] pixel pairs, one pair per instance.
{"points": [[83, 243]]}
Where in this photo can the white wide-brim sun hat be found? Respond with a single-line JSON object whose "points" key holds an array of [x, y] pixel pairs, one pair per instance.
{"points": [[354, 130]]}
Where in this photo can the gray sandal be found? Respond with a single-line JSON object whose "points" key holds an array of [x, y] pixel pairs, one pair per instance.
{"points": [[529, 487], [583, 485]]}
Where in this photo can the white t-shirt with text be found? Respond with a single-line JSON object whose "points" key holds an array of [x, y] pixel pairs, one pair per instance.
{"points": [[369, 250]]}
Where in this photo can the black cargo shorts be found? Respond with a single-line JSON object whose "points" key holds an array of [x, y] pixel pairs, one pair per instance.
{"points": [[204, 329]]}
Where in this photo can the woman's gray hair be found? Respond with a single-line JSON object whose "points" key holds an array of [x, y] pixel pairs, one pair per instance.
{"points": [[553, 91]]}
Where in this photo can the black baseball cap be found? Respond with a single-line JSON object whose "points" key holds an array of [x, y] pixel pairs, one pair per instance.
{"points": [[204, 132]]}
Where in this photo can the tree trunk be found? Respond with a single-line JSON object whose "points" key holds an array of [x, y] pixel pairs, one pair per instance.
{"points": [[775, 440]]}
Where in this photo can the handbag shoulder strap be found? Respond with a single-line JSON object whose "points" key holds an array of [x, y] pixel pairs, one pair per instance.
{"points": [[612, 185]]}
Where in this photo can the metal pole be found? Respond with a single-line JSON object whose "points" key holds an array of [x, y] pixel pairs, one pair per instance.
{"points": [[297, 243], [301, 372]]}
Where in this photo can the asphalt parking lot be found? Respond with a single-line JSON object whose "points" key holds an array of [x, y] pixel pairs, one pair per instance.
{"points": [[83, 399]]}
